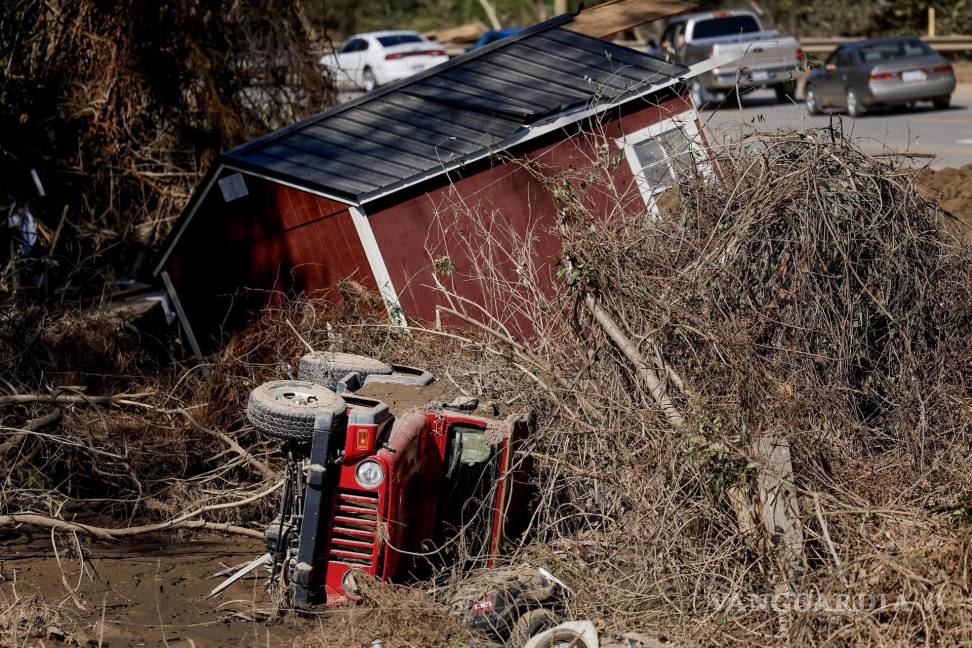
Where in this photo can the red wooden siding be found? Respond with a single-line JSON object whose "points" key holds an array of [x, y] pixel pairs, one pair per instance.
{"points": [[508, 199], [274, 240]]}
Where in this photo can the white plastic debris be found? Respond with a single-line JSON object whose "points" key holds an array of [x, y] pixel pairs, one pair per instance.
{"points": [[21, 220], [577, 634]]}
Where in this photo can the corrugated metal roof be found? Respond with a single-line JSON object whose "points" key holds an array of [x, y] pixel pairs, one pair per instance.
{"points": [[453, 112]]}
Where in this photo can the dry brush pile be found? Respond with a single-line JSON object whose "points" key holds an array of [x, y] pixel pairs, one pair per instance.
{"points": [[118, 108], [754, 413]]}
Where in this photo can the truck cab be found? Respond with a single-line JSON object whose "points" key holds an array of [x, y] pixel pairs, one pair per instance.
{"points": [[761, 58]]}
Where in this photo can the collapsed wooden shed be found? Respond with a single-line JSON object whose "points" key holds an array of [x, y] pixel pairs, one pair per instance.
{"points": [[358, 192]]}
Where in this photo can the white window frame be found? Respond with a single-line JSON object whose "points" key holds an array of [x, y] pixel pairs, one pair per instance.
{"points": [[688, 123]]}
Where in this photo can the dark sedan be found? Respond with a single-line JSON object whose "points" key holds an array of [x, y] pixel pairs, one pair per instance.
{"points": [[879, 72]]}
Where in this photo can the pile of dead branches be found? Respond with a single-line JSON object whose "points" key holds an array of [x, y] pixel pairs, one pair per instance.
{"points": [[752, 410], [110, 112]]}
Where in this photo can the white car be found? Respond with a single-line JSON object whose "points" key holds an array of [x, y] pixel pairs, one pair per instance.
{"points": [[376, 58]]}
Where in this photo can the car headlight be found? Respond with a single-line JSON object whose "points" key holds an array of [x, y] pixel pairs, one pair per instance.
{"points": [[369, 474]]}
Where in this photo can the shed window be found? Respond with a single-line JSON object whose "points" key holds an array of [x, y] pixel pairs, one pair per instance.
{"points": [[663, 153], [663, 159]]}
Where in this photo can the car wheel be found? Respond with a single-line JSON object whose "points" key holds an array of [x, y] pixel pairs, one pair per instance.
{"points": [[700, 97], [811, 101], [327, 368], [785, 92], [854, 108], [370, 82], [531, 624], [941, 103], [287, 409]]}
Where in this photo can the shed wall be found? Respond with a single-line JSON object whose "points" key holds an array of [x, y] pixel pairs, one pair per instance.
{"points": [[512, 205], [234, 256]]}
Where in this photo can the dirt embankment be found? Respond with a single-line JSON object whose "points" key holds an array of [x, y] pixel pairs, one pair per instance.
{"points": [[963, 71], [952, 188]]}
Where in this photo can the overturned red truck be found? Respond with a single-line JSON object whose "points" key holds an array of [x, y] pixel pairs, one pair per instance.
{"points": [[387, 476]]}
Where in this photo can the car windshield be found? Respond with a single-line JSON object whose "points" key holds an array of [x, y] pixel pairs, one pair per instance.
{"points": [[728, 26], [893, 50], [399, 39]]}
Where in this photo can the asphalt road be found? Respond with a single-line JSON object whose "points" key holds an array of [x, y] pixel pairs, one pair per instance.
{"points": [[947, 134]]}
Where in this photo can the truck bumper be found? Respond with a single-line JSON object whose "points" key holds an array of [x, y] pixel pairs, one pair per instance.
{"points": [[728, 78]]}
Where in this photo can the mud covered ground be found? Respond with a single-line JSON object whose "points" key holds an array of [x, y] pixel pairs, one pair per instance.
{"points": [[953, 189], [150, 593]]}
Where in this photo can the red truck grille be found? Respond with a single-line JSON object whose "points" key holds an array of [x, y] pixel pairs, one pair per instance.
{"points": [[354, 528]]}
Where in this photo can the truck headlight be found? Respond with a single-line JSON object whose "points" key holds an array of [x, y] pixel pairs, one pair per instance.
{"points": [[352, 581], [369, 474]]}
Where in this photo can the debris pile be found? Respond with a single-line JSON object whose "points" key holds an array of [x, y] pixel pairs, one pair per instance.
{"points": [[111, 112], [752, 412]]}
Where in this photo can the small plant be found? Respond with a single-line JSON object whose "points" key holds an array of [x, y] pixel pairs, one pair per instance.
{"points": [[443, 266]]}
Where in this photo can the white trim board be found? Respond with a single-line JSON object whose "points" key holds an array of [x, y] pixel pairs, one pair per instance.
{"points": [[378, 268]]}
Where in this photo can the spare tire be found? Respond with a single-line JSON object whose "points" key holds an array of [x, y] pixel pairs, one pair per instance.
{"points": [[286, 409], [327, 368]]}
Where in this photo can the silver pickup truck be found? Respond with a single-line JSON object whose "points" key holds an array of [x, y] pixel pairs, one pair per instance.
{"points": [[763, 59]]}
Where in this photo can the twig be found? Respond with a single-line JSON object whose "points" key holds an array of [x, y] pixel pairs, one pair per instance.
{"points": [[182, 522], [252, 461]]}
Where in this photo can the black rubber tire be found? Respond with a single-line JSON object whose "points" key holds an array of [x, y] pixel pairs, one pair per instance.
{"points": [[699, 95], [942, 103], [531, 624], [786, 92], [853, 105], [286, 409], [327, 368]]}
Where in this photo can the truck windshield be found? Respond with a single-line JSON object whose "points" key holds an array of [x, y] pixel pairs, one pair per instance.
{"points": [[727, 26]]}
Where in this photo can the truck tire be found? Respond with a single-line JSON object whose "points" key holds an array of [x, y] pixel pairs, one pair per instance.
{"points": [[785, 92], [700, 97], [327, 368], [286, 409], [531, 624]]}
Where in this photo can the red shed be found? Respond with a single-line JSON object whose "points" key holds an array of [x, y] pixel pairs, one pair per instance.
{"points": [[357, 192]]}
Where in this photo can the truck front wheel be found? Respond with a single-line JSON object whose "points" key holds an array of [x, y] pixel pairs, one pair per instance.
{"points": [[700, 96]]}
